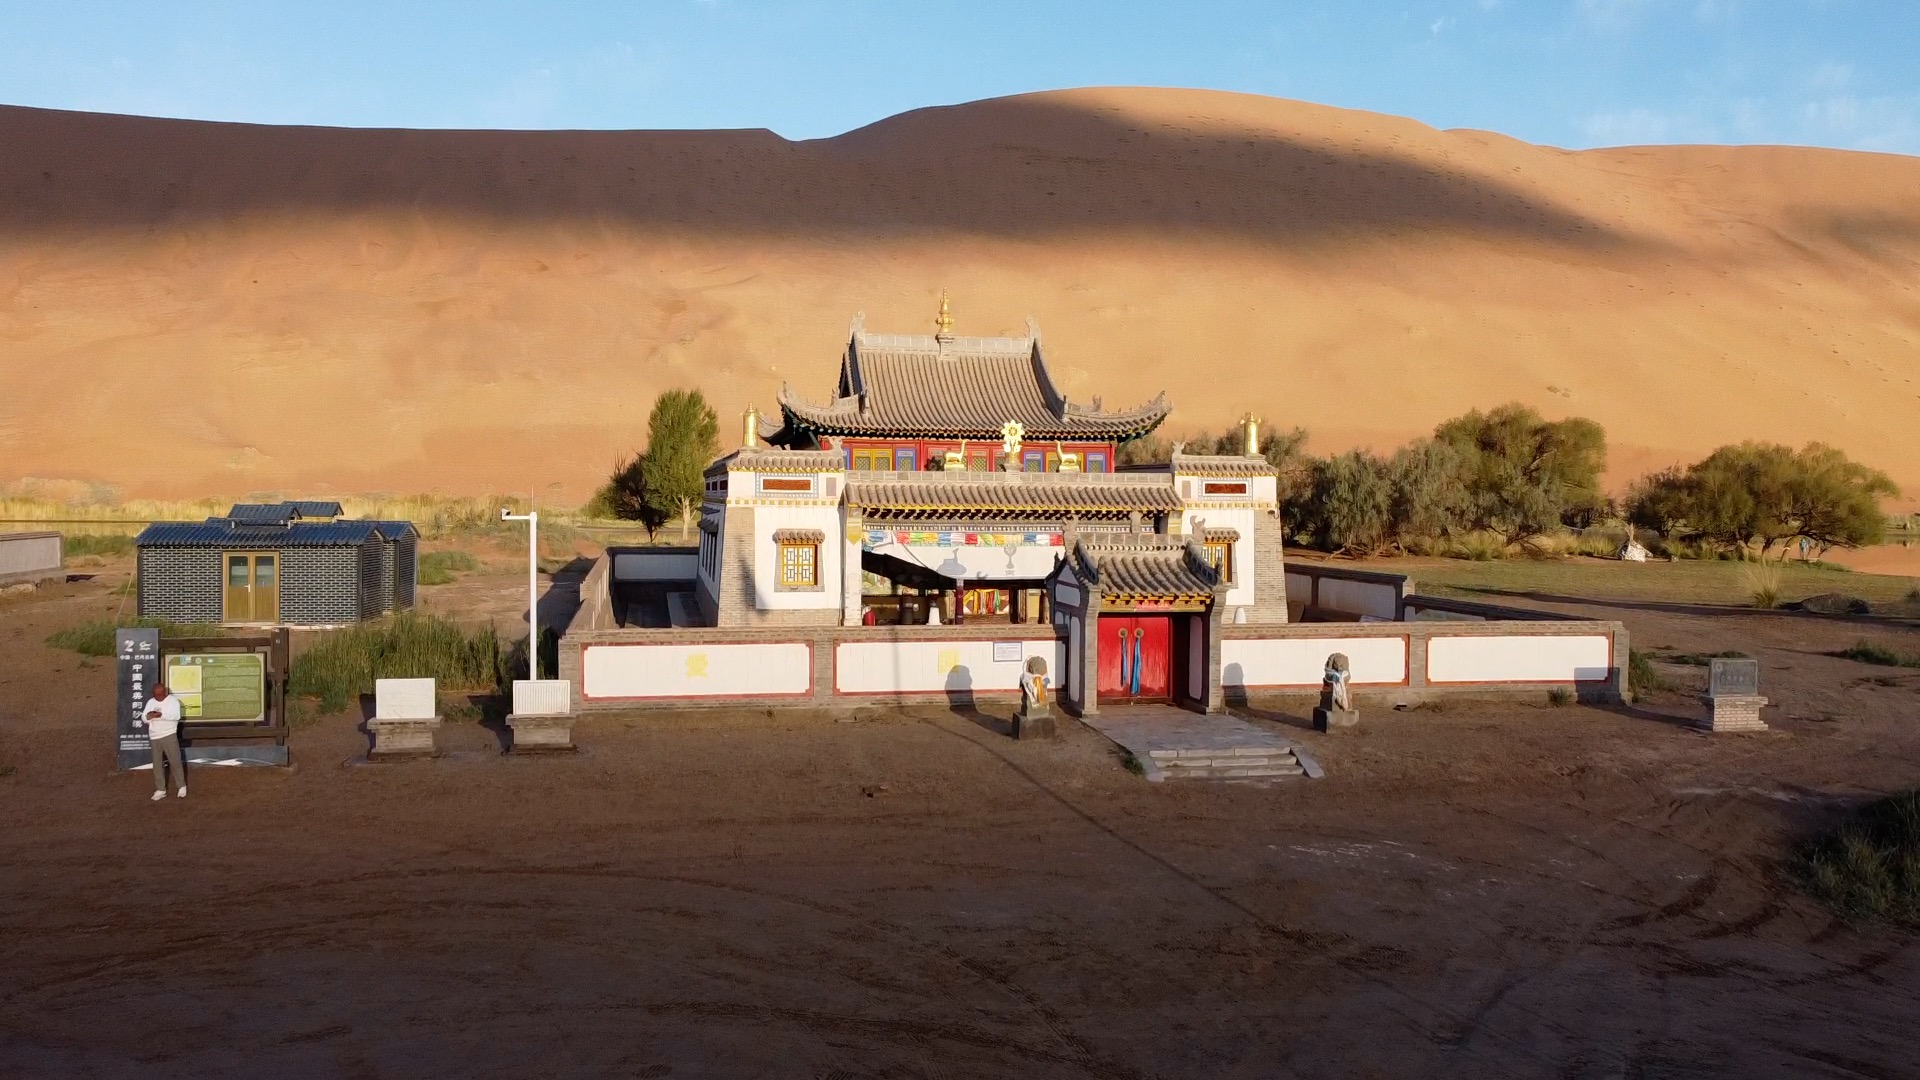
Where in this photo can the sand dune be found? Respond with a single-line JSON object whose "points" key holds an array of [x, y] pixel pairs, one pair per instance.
{"points": [[191, 308]]}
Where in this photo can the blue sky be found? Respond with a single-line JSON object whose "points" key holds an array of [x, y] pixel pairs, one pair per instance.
{"points": [[1575, 73]]}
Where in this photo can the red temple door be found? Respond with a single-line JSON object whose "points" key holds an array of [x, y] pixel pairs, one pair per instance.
{"points": [[1135, 658]]}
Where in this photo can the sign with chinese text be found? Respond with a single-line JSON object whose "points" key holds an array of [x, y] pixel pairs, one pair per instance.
{"points": [[219, 686], [137, 653]]}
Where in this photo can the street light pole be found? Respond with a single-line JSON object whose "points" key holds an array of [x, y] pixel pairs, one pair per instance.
{"points": [[532, 518]]}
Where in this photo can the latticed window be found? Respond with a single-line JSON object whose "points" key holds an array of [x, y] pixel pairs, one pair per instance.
{"points": [[1220, 554], [797, 563]]}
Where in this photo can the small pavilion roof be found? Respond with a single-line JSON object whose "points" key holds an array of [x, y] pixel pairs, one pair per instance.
{"points": [[1150, 566], [1029, 493], [942, 386]]}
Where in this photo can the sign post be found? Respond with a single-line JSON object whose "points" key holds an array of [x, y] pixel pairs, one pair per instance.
{"points": [[138, 653]]}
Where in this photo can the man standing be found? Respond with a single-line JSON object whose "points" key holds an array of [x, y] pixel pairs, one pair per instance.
{"points": [[162, 713]]}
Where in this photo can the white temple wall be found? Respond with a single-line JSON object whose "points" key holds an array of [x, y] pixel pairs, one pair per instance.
{"points": [[770, 518]]}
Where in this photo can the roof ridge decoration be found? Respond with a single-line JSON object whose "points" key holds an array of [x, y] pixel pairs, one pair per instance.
{"points": [[894, 385]]}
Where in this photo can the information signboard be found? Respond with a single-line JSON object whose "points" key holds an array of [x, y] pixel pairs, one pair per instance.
{"points": [[138, 654], [219, 686]]}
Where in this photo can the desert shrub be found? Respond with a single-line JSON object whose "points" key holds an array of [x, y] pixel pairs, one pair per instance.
{"points": [[1872, 652], [1560, 697], [1642, 676], [1762, 581], [438, 567], [1705, 659], [72, 546], [95, 637], [1868, 867], [1913, 594], [1431, 500], [343, 664], [1478, 546], [1599, 543]]}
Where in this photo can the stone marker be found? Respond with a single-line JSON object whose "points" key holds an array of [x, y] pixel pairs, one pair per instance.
{"points": [[1035, 718], [1336, 702], [406, 714], [542, 718], [1733, 696]]}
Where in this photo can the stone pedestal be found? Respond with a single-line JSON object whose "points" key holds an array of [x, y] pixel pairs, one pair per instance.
{"points": [[1034, 724], [406, 714], [402, 738], [1733, 712], [542, 719], [542, 734], [1325, 719]]}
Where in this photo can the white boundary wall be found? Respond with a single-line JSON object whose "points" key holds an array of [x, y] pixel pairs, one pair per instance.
{"points": [[933, 667], [1360, 597], [30, 553], [1519, 659], [1302, 661], [641, 672]]}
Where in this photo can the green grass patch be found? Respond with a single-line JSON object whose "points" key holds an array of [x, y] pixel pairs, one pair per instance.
{"points": [[1688, 581], [73, 546], [439, 567], [1872, 652], [344, 664], [95, 638], [1868, 867]]}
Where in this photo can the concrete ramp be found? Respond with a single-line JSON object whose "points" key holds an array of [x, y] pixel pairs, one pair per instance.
{"points": [[1174, 744]]}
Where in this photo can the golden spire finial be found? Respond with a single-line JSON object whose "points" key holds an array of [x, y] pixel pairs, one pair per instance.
{"points": [[945, 321]]}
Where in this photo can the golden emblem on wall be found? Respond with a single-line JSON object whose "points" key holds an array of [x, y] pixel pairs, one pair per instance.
{"points": [[1011, 433]]}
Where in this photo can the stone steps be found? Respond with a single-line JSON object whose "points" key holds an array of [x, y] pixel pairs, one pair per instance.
{"points": [[1235, 763]]}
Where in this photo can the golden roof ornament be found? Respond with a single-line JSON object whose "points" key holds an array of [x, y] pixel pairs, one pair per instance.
{"points": [[945, 319], [1251, 425]]}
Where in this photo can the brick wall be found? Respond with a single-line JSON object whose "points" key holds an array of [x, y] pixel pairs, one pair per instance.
{"points": [[735, 604], [180, 584], [1269, 570], [406, 572], [319, 586], [373, 599]]}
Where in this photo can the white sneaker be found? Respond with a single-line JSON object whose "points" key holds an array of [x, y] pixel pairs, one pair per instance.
{"points": [[182, 792], [158, 795]]}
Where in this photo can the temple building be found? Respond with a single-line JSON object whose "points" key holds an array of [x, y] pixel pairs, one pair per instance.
{"points": [[948, 518], [949, 481]]}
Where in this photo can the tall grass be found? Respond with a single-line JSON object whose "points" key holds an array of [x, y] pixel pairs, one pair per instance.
{"points": [[95, 638], [438, 567], [1762, 581], [99, 506], [103, 544], [344, 664], [1642, 676], [1869, 866]]}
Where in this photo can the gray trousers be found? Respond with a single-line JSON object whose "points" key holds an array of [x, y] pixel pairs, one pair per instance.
{"points": [[166, 750]]}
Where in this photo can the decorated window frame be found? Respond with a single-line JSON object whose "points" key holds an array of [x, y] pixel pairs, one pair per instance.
{"points": [[796, 565]]}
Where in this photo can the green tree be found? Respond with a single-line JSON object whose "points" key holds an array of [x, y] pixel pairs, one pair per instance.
{"points": [[1528, 475], [1835, 502], [1351, 505], [625, 494], [1431, 500], [683, 438], [1659, 502]]}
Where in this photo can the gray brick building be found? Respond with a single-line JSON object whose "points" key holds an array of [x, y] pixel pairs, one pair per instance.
{"points": [[275, 564]]}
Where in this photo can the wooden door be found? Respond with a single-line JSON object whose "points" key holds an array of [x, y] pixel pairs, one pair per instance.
{"points": [[238, 606], [251, 591], [266, 588], [1134, 658]]}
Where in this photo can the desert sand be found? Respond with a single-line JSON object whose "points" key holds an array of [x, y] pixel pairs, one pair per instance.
{"points": [[190, 308]]}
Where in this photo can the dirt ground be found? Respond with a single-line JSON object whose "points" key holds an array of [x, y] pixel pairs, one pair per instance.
{"points": [[1473, 892]]}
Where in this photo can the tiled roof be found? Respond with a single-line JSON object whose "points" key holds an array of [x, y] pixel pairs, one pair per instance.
{"points": [[222, 532], [1229, 535], [993, 491], [1220, 465], [393, 530], [282, 512], [799, 536], [956, 386], [263, 513], [1159, 568], [773, 459]]}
